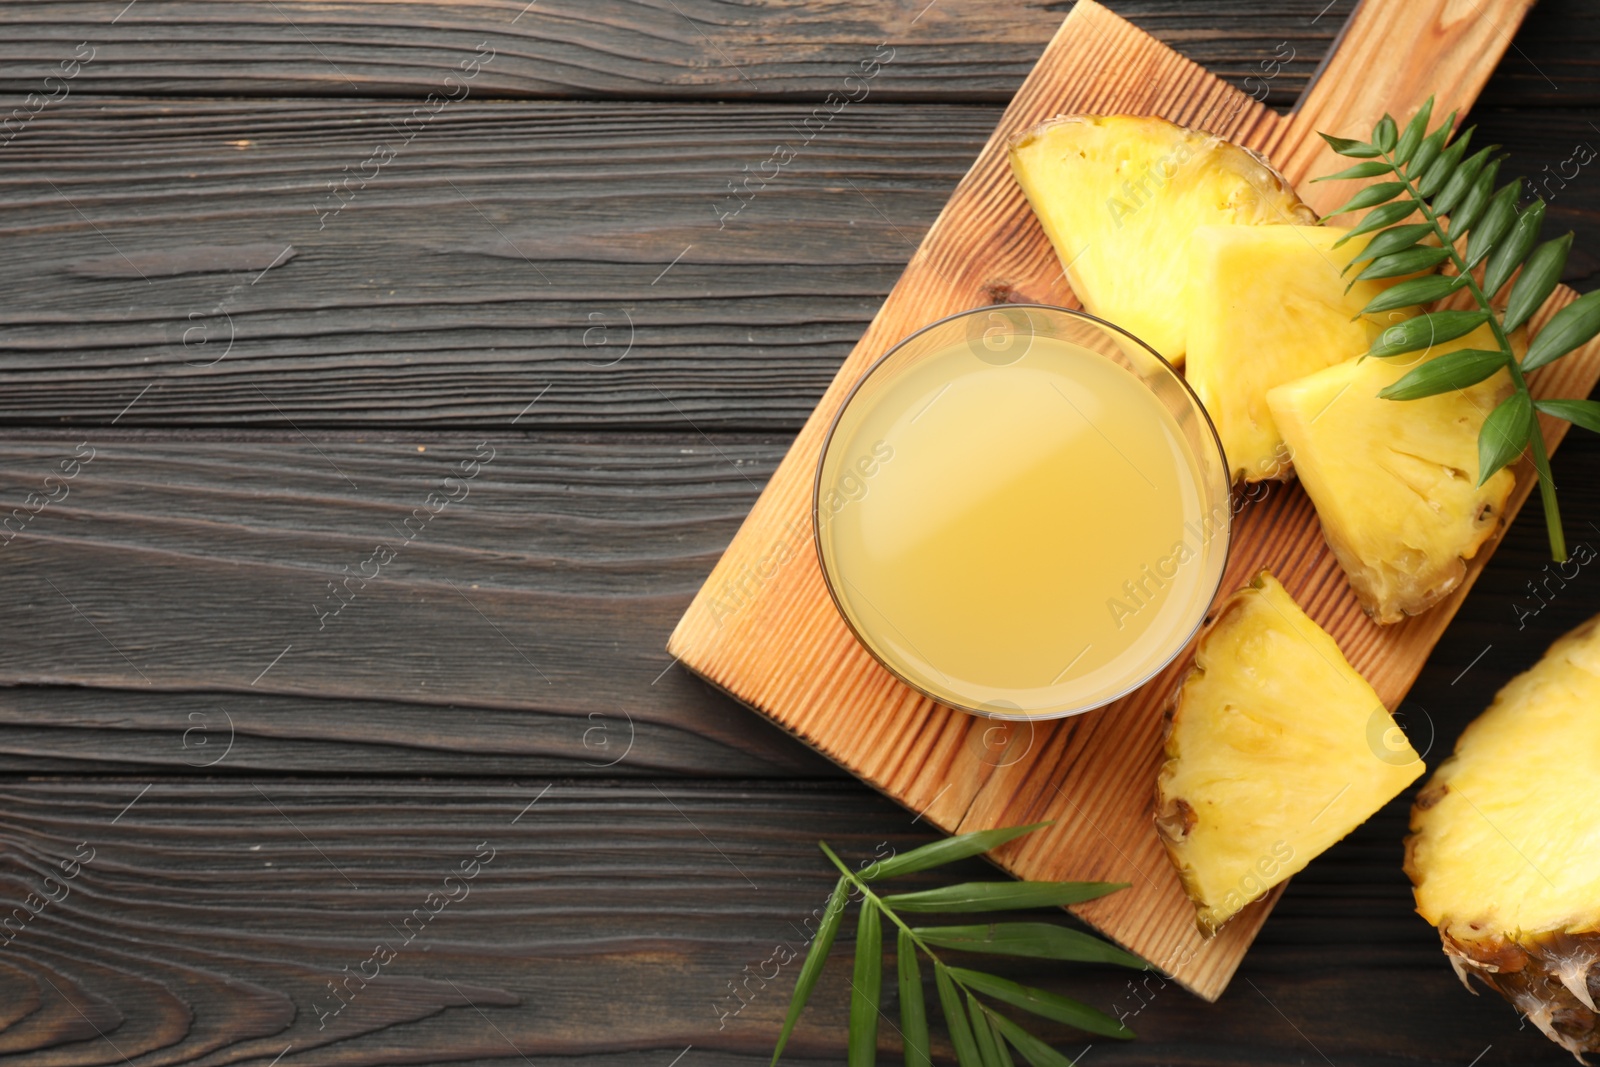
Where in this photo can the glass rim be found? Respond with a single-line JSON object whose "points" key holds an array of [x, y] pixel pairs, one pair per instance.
{"points": [[816, 521]]}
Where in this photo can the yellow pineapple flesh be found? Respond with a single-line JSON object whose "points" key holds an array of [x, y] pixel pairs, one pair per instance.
{"points": [[1505, 846], [1267, 305], [1395, 482], [1277, 748], [1118, 196]]}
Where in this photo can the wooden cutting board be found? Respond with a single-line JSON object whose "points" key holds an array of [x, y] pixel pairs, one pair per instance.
{"points": [[764, 629]]}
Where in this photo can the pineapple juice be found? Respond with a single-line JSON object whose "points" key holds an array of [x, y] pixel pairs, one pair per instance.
{"points": [[1018, 538]]}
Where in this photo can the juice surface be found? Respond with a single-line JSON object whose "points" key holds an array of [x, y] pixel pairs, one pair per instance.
{"points": [[1022, 538]]}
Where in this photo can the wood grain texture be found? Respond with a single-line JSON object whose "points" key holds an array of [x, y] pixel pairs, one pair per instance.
{"points": [[655, 513], [414, 305], [569, 254], [764, 629], [517, 629], [211, 917], [696, 49], [1367, 77]]}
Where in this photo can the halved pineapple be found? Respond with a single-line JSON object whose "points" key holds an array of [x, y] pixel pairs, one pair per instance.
{"points": [[1118, 196], [1505, 845], [1395, 482], [1277, 748], [1267, 305]]}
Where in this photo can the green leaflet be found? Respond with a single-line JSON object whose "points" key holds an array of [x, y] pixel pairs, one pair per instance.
{"points": [[1380, 193], [983, 1035], [955, 1017], [1538, 280], [1429, 149], [1497, 221], [1505, 259], [1570, 327], [1000, 896], [866, 988], [1585, 413], [811, 969], [947, 851], [1414, 292], [1036, 940], [1425, 331], [1440, 170], [1346, 147], [1458, 184], [1392, 240], [1378, 218], [1504, 435], [1408, 262], [1446, 373], [1384, 134], [1475, 203], [1033, 1050], [913, 1005], [1042, 1002], [1360, 170], [1415, 131]]}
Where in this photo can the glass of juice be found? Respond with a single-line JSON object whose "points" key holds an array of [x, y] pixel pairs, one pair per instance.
{"points": [[1022, 511]]}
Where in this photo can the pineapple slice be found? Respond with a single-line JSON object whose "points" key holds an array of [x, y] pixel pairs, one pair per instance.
{"points": [[1118, 196], [1505, 845], [1395, 482], [1277, 749], [1267, 305]]}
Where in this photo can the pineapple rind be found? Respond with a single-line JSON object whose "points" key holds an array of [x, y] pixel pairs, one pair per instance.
{"points": [[1118, 196], [1504, 854], [1395, 481], [1277, 748], [1267, 305]]}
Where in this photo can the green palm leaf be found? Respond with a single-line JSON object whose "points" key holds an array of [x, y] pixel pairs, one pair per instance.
{"points": [[1504, 435]]}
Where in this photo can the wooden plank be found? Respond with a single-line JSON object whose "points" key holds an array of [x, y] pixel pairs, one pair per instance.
{"points": [[955, 50], [213, 915], [412, 307], [518, 629], [510, 249], [158, 517], [764, 629]]}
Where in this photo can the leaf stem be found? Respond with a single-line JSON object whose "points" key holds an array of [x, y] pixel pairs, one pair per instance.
{"points": [[877, 901], [1541, 461]]}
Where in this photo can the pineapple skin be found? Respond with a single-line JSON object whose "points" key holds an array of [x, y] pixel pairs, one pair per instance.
{"points": [[1395, 481], [1544, 955], [1276, 749], [1119, 195], [1268, 305]]}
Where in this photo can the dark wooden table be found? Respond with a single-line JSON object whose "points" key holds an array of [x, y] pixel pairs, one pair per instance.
{"points": [[367, 443]]}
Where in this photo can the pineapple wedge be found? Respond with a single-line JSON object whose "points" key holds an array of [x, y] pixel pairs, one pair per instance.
{"points": [[1503, 851], [1267, 305], [1277, 748], [1118, 196], [1395, 482]]}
